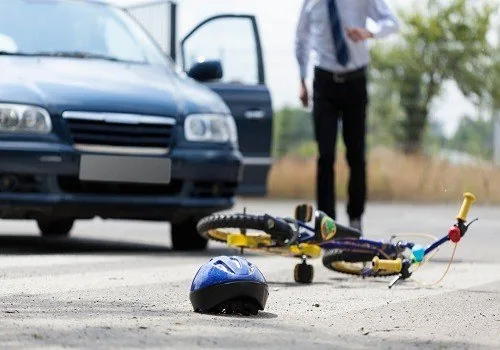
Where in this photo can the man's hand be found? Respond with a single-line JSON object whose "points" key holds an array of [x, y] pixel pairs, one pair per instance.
{"points": [[358, 34], [304, 96]]}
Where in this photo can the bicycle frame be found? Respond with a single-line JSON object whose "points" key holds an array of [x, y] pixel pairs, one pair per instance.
{"points": [[375, 246]]}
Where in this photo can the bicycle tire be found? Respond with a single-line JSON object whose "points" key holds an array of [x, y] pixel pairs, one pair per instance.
{"points": [[230, 221], [342, 261]]}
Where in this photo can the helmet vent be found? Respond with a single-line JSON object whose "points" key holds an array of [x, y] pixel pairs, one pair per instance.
{"points": [[222, 265], [237, 262]]}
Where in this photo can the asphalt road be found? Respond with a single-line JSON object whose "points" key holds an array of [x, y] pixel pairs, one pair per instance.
{"points": [[118, 285]]}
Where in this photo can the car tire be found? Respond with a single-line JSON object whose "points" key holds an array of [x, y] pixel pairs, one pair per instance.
{"points": [[55, 227], [185, 237]]}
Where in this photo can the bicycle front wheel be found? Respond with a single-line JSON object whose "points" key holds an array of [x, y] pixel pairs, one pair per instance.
{"points": [[351, 262]]}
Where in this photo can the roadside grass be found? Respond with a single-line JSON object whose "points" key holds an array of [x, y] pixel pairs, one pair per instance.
{"points": [[392, 176]]}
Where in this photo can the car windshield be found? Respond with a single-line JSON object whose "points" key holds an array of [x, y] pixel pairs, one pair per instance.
{"points": [[74, 28]]}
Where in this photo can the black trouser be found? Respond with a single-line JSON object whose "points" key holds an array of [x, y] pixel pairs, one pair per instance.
{"points": [[346, 102]]}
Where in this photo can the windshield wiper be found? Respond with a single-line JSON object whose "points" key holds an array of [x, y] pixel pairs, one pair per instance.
{"points": [[76, 54], [10, 53]]}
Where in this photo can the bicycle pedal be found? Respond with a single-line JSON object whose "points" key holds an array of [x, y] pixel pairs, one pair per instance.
{"points": [[303, 212], [394, 281]]}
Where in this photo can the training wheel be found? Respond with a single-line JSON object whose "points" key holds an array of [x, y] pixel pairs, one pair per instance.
{"points": [[303, 273]]}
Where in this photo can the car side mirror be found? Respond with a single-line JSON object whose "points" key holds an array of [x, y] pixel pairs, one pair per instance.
{"points": [[206, 70]]}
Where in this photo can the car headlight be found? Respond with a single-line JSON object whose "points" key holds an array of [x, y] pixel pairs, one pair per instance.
{"points": [[24, 119], [210, 128]]}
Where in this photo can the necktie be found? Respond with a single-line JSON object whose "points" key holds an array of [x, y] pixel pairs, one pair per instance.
{"points": [[341, 49]]}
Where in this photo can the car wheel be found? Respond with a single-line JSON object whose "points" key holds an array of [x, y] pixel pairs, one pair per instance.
{"points": [[55, 227], [185, 237]]}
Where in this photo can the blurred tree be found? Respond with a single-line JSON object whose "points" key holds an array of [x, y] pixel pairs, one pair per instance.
{"points": [[474, 137], [385, 113], [434, 138], [492, 82], [444, 41], [292, 126]]}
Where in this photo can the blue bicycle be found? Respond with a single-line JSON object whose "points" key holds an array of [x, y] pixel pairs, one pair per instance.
{"points": [[308, 235]]}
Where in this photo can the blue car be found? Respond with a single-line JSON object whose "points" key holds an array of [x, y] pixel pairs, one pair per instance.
{"points": [[97, 120]]}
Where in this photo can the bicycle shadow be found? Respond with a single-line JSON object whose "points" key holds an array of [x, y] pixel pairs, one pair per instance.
{"points": [[361, 280], [296, 284]]}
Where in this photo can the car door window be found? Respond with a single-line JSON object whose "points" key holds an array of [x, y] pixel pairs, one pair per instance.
{"points": [[229, 40], [234, 39]]}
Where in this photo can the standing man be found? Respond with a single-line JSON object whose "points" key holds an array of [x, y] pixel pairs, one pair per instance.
{"points": [[336, 32]]}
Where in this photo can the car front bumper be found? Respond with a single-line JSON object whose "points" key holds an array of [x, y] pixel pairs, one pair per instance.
{"points": [[39, 179]]}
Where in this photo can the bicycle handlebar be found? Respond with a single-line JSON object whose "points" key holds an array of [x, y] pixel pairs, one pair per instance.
{"points": [[402, 266], [469, 198], [387, 265]]}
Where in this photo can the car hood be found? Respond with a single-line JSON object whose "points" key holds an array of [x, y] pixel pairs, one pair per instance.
{"points": [[61, 84]]}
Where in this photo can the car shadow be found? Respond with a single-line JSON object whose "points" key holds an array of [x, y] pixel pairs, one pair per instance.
{"points": [[29, 245]]}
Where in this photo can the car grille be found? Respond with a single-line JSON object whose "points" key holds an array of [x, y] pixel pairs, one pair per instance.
{"points": [[120, 130], [71, 184], [212, 189]]}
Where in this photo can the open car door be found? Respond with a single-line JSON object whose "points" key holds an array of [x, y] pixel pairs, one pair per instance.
{"points": [[233, 40]]}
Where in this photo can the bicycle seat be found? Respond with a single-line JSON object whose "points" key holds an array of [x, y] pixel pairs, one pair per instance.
{"points": [[303, 212]]}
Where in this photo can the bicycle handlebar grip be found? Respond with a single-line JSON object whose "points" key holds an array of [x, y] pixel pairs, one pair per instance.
{"points": [[469, 198], [387, 265]]}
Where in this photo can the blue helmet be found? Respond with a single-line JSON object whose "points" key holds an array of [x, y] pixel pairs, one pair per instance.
{"points": [[229, 284]]}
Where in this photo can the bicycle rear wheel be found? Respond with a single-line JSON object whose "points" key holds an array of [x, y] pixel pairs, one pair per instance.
{"points": [[251, 232], [213, 228]]}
